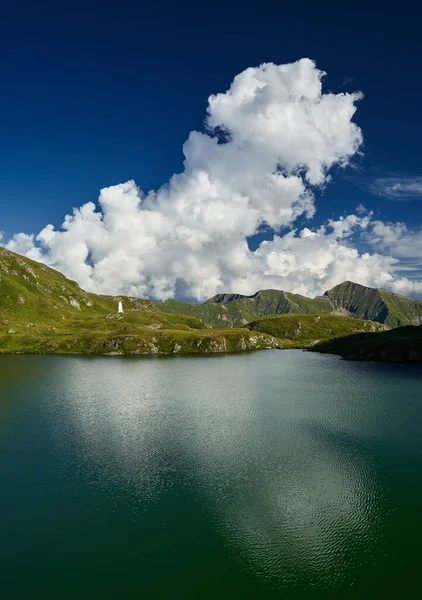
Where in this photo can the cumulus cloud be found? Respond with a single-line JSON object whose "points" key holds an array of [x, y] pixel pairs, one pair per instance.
{"points": [[396, 238], [270, 140], [405, 244]]}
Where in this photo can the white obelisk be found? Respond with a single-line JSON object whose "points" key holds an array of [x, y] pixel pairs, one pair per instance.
{"points": [[120, 307]]}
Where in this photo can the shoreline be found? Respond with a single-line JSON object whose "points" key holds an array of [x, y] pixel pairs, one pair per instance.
{"points": [[384, 361]]}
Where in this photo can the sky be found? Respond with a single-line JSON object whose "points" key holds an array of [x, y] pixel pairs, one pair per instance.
{"points": [[305, 169]]}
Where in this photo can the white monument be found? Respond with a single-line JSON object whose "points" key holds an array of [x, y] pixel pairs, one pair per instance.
{"points": [[120, 307]]}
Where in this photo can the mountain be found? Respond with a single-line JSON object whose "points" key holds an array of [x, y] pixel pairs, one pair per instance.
{"points": [[401, 345], [375, 304], [43, 311], [348, 298], [236, 310]]}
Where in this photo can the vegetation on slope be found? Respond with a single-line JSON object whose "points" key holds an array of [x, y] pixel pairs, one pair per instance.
{"points": [[137, 341], [306, 330], [239, 310], [375, 304], [42, 311], [403, 345], [211, 315], [350, 299]]}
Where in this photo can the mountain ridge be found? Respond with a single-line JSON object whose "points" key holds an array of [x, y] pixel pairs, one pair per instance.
{"points": [[347, 298], [43, 311], [236, 310]]}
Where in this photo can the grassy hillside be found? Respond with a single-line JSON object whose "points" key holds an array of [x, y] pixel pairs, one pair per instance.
{"points": [[304, 330], [239, 310], [403, 344], [349, 299], [236, 310], [211, 315], [375, 304], [42, 311], [400, 310]]}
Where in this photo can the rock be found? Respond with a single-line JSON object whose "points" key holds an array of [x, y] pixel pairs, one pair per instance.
{"points": [[114, 344], [154, 326], [242, 344], [75, 303], [42, 288], [218, 346], [117, 316], [298, 330]]}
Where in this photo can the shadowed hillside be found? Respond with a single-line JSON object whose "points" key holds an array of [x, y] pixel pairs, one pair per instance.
{"points": [[403, 345]]}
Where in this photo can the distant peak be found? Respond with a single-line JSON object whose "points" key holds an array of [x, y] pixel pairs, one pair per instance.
{"points": [[348, 285], [225, 298]]}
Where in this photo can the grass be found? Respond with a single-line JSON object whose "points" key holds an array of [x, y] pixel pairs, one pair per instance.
{"points": [[304, 330], [42, 311], [141, 342]]}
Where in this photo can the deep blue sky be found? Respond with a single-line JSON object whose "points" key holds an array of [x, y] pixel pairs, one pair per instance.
{"points": [[93, 94]]}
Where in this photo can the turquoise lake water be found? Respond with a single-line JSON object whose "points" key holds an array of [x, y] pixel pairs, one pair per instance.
{"points": [[276, 474]]}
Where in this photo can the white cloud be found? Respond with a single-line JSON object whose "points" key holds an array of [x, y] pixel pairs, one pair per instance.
{"points": [[405, 244], [281, 137], [397, 188]]}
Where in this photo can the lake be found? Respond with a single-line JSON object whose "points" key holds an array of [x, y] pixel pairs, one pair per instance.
{"points": [[272, 474]]}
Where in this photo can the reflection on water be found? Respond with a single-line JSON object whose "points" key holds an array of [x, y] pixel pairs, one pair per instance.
{"points": [[268, 468]]}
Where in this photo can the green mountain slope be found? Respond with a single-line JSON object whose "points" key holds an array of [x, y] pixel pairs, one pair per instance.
{"points": [[375, 304], [235, 310], [304, 330], [350, 299], [42, 311], [403, 345]]}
